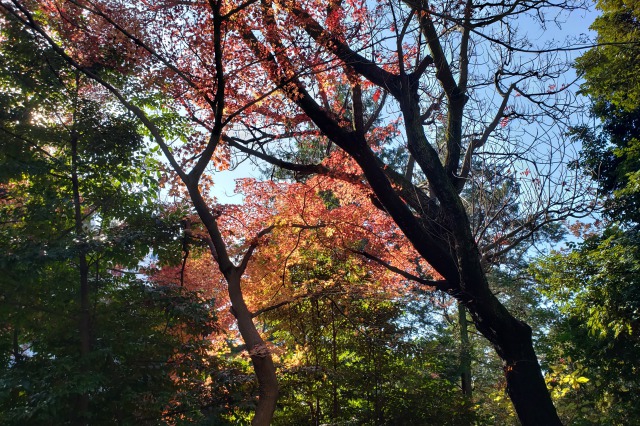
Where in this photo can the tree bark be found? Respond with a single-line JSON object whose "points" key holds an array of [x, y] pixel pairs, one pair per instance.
{"points": [[512, 340], [260, 355], [335, 406]]}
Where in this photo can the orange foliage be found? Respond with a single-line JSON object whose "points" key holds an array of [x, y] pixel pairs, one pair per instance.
{"points": [[325, 214], [171, 46]]}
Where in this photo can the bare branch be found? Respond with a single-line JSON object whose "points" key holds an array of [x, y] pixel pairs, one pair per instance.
{"points": [[438, 284]]}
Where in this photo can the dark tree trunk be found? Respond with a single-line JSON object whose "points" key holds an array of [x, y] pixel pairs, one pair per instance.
{"points": [[84, 323], [335, 406], [443, 238], [17, 351], [512, 340]]}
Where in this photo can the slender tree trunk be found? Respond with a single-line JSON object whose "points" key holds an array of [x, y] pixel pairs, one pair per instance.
{"points": [[465, 361], [334, 364], [408, 173], [316, 358], [85, 336], [465, 353], [17, 352], [83, 265]]}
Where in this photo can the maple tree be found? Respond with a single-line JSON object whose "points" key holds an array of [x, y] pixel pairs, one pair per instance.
{"points": [[345, 308], [441, 85], [111, 48]]}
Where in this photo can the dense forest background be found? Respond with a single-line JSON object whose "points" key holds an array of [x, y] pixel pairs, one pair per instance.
{"points": [[130, 295]]}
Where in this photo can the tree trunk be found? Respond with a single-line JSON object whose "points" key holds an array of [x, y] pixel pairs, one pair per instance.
{"points": [[85, 337], [467, 282], [335, 406], [84, 322], [259, 353], [465, 354], [456, 257], [512, 340]]}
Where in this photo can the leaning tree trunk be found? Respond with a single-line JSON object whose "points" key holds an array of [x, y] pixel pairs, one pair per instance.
{"points": [[456, 257], [459, 262], [512, 340]]}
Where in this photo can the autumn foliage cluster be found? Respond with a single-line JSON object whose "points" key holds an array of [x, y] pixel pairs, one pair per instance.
{"points": [[407, 157]]}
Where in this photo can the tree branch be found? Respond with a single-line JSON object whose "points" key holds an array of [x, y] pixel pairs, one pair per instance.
{"points": [[438, 284], [247, 256]]}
